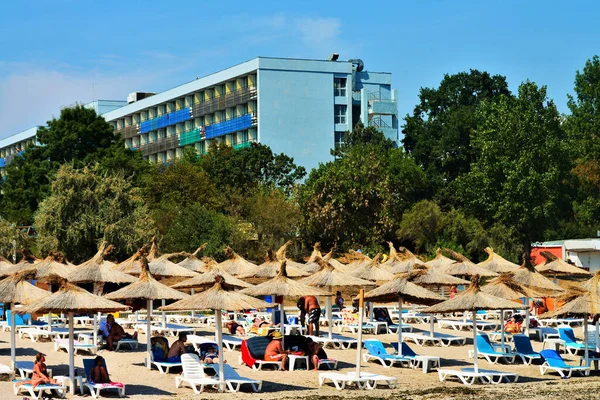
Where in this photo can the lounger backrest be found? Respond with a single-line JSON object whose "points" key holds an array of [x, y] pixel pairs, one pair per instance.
{"points": [[229, 372], [567, 335], [483, 343], [523, 344], [375, 347], [160, 348], [190, 364], [553, 358]]}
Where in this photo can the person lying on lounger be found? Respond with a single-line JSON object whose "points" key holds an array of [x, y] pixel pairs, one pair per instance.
{"points": [[235, 328], [40, 373]]}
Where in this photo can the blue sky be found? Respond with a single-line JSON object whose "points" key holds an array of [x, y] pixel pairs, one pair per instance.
{"points": [[54, 52]]}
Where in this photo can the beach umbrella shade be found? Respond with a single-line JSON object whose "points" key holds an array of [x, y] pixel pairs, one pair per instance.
{"points": [[371, 271], [72, 299], [473, 299], [132, 264], [96, 271], [281, 285], [52, 266], [557, 266], [311, 264], [591, 284], [208, 279], [400, 289], [270, 268], [16, 289], [403, 261], [218, 298], [464, 267], [497, 263], [359, 260], [328, 277], [149, 289], [6, 267], [334, 263], [192, 262], [235, 264], [440, 260]]}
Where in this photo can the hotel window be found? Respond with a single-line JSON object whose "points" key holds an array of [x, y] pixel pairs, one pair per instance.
{"points": [[339, 138], [339, 87], [340, 112]]}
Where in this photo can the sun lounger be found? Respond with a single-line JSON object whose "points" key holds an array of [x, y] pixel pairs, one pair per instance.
{"points": [[95, 388], [173, 329], [196, 341], [496, 377], [77, 345], [458, 325], [571, 344], [524, 349], [376, 379], [376, 351], [6, 370], [468, 376], [233, 380], [394, 328], [553, 361], [486, 349], [25, 368], [231, 342], [35, 333], [340, 380], [418, 361], [158, 355], [193, 374], [353, 328], [422, 337], [36, 392], [337, 341]]}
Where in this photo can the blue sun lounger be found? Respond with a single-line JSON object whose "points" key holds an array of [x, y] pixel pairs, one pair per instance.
{"points": [[553, 361], [571, 344], [376, 351], [487, 351], [524, 349]]}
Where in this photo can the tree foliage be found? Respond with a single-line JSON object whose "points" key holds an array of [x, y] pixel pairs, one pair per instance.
{"points": [[11, 238], [87, 206]]}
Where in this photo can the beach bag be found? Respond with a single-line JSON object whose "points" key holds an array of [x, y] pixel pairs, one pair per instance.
{"points": [[160, 348]]}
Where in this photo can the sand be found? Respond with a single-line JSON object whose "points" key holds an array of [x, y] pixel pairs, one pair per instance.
{"points": [[127, 367]]}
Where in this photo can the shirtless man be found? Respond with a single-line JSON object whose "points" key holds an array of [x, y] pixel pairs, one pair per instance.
{"points": [[116, 332], [275, 352], [313, 352], [313, 310], [177, 349]]}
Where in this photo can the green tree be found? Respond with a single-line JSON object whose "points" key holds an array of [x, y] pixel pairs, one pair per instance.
{"points": [[359, 198], [86, 206], [520, 178], [438, 133], [79, 136], [11, 236]]}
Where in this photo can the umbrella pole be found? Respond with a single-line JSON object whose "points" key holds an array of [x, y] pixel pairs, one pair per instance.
{"points": [[400, 326], [443, 292], [49, 321], [148, 347], [597, 335], [329, 313], [431, 325], [273, 310], [586, 353], [95, 329], [361, 306], [282, 324], [71, 353], [164, 315], [502, 328], [527, 321], [192, 292], [370, 311], [475, 354], [13, 333], [220, 344]]}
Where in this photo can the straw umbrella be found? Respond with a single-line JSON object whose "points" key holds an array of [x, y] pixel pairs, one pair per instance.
{"points": [[96, 271], [465, 267], [281, 285], [235, 264], [6, 267], [132, 264], [192, 262], [16, 290], [282, 255], [334, 263], [399, 263], [371, 271], [421, 275], [400, 289], [146, 288], [359, 260], [440, 260], [497, 263], [208, 279], [311, 265], [270, 269], [52, 266], [72, 299], [328, 277], [217, 298], [557, 266], [473, 299]]}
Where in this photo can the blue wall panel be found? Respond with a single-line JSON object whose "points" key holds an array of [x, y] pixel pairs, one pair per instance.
{"points": [[163, 121], [233, 125], [2, 165]]}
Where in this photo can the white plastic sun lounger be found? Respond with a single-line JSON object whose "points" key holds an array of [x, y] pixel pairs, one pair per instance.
{"points": [[231, 342], [442, 339], [36, 392], [365, 381], [234, 381], [458, 325], [337, 341], [64, 344], [193, 374], [34, 334]]}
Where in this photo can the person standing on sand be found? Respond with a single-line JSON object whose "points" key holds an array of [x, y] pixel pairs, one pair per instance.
{"points": [[313, 310]]}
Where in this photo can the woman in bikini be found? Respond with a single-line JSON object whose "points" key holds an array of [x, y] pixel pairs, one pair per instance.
{"points": [[40, 373]]}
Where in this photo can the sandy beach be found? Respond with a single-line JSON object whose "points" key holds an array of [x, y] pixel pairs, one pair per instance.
{"points": [[142, 384]]}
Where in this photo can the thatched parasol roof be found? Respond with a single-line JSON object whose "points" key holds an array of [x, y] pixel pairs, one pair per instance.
{"points": [[193, 262], [281, 285], [217, 298], [422, 275], [371, 271], [403, 261], [591, 284], [270, 269], [164, 267], [580, 301], [399, 286], [473, 299], [96, 270], [464, 267], [146, 288], [496, 263], [51, 267], [6, 267], [132, 264], [358, 260], [331, 276], [16, 289], [311, 264], [72, 298], [506, 287], [440, 260], [334, 263], [557, 266], [213, 271], [236, 265], [527, 276]]}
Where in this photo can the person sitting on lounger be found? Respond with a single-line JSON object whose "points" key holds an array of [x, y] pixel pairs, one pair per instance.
{"points": [[99, 373], [116, 333], [235, 328], [313, 351], [275, 351], [177, 349], [260, 323], [40, 373]]}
